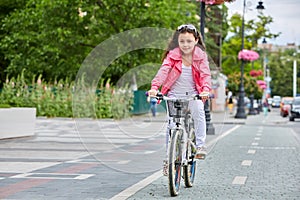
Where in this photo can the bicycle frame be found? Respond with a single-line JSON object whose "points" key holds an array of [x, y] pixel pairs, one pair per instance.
{"points": [[180, 124], [181, 145]]}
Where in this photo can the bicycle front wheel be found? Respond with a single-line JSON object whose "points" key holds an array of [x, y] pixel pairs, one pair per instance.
{"points": [[189, 170], [175, 160]]}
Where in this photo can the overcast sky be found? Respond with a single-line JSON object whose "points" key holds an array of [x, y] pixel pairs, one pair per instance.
{"points": [[285, 14]]}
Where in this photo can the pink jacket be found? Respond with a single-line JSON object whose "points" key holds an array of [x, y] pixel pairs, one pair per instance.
{"points": [[171, 69]]}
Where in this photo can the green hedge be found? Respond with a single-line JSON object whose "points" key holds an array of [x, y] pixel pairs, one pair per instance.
{"points": [[64, 98]]}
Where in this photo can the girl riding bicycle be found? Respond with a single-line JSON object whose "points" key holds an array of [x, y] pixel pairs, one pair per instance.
{"points": [[185, 72]]}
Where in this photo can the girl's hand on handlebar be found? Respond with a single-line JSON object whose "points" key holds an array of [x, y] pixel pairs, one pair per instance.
{"points": [[152, 93], [204, 96]]}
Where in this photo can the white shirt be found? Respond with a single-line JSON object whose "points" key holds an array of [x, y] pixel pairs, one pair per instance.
{"points": [[184, 85]]}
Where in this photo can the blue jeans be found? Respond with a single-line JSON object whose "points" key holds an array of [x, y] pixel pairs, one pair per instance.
{"points": [[153, 106], [265, 109]]}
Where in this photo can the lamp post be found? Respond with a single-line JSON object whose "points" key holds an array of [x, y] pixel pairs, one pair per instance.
{"points": [[295, 74], [267, 77], [210, 129], [241, 107], [295, 78]]}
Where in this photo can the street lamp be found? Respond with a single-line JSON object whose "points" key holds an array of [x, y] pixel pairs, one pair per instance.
{"points": [[241, 109], [267, 77], [210, 129], [295, 73]]}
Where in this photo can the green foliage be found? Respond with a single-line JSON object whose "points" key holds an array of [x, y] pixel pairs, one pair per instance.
{"points": [[281, 71], [53, 37], [249, 83], [4, 106], [254, 31], [56, 99]]}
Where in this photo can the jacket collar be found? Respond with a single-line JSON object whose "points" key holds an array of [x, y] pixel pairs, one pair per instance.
{"points": [[176, 53]]}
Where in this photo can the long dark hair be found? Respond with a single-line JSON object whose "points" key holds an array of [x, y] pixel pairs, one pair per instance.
{"points": [[183, 29]]}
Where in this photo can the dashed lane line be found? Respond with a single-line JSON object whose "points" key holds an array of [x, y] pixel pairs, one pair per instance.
{"points": [[246, 163], [239, 180], [143, 183], [251, 151]]}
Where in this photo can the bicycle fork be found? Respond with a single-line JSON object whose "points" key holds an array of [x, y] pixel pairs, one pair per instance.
{"points": [[184, 143]]}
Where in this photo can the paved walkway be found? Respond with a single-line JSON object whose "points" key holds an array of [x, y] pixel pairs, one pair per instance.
{"points": [[259, 160], [98, 159]]}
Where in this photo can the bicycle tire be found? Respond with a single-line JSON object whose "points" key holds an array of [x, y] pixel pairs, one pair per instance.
{"points": [[175, 160], [188, 122], [189, 170]]}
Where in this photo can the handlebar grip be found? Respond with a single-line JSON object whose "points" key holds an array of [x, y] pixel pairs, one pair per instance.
{"points": [[160, 96], [197, 97]]}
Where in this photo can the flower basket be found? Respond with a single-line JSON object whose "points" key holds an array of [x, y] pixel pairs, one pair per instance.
{"points": [[262, 84], [215, 2], [255, 73], [248, 55]]}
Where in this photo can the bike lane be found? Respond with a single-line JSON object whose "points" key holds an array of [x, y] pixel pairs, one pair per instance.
{"points": [[258, 160]]}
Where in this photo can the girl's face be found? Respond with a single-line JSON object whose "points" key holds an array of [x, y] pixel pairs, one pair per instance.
{"points": [[187, 42]]}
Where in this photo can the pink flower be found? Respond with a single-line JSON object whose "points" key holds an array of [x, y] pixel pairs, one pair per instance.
{"points": [[261, 82], [39, 81], [263, 86], [215, 2], [255, 73], [248, 55]]}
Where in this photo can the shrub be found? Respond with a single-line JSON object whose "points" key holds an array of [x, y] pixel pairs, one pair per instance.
{"points": [[58, 99]]}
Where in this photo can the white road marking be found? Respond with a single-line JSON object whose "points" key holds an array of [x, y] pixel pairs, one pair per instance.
{"points": [[136, 187], [239, 180], [53, 176], [269, 148], [143, 183], [124, 162], [254, 144], [149, 152], [221, 136], [257, 138], [246, 163], [251, 151]]}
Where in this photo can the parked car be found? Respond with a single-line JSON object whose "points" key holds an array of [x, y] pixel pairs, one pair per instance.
{"points": [[295, 109], [270, 100], [276, 101], [285, 106]]}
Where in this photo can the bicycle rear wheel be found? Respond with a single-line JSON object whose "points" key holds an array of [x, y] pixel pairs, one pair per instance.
{"points": [[189, 170], [175, 160]]}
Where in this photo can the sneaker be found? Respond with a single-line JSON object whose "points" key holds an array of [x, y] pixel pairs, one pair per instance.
{"points": [[201, 153], [165, 168]]}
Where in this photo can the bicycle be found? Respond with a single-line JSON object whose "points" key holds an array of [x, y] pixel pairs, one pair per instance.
{"points": [[182, 143]]}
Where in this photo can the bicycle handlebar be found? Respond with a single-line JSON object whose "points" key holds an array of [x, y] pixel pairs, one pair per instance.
{"points": [[160, 96]]}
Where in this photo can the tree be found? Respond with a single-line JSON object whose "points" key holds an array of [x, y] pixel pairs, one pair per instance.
{"points": [[52, 37], [254, 31], [281, 71], [6, 7]]}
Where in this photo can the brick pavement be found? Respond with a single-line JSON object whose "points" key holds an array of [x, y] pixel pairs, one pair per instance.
{"points": [[70, 159], [259, 160]]}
